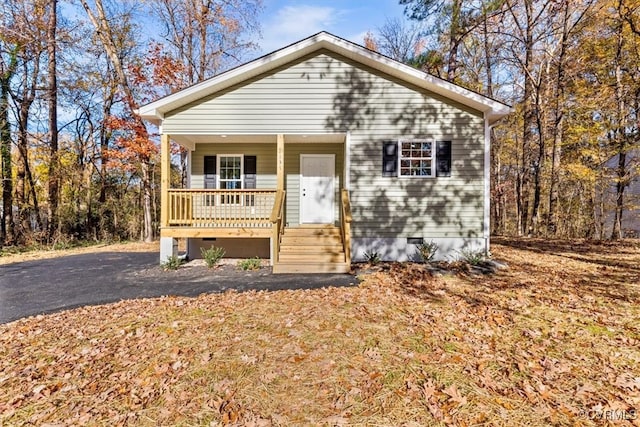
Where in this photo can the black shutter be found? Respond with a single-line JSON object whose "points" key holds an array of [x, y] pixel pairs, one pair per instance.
{"points": [[390, 158], [209, 171], [443, 158], [250, 165]]}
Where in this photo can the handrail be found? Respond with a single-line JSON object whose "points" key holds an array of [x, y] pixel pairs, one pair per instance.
{"points": [[346, 206], [220, 208], [277, 206], [277, 219], [346, 219], [209, 190]]}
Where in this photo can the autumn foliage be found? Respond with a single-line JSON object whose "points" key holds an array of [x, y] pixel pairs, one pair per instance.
{"points": [[131, 144]]}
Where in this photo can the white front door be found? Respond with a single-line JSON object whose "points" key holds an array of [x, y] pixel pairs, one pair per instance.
{"points": [[317, 188]]}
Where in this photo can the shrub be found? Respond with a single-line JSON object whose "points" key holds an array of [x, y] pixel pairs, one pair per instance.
{"points": [[172, 263], [250, 264], [474, 256], [427, 251], [212, 256], [372, 257]]}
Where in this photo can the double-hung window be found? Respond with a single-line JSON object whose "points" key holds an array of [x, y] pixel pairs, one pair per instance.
{"points": [[230, 172], [416, 158], [230, 177]]}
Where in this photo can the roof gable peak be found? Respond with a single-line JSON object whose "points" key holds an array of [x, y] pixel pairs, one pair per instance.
{"points": [[156, 110]]}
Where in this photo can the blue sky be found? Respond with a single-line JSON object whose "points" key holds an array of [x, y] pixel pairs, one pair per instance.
{"points": [[287, 21]]}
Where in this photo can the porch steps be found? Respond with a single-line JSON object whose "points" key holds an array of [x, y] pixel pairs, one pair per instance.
{"points": [[311, 249]]}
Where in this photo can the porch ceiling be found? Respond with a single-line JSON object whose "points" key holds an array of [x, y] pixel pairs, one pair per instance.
{"points": [[190, 140]]}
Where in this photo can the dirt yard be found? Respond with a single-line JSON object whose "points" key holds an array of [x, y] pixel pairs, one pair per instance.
{"points": [[552, 340]]}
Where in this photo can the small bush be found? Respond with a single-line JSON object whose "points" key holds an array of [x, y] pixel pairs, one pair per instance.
{"points": [[474, 256], [172, 263], [427, 251], [212, 256], [250, 264], [372, 257]]}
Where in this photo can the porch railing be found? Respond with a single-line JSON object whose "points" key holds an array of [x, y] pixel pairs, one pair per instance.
{"points": [[278, 222], [345, 219], [221, 208]]}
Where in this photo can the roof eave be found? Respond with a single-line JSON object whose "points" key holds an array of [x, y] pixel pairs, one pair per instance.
{"points": [[154, 111]]}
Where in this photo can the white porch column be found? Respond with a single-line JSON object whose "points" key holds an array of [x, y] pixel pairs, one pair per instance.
{"points": [[168, 248]]}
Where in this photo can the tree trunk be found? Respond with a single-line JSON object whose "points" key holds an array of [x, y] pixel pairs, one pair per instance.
{"points": [[454, 40], [619, 134], [52, 95], [147, 233], [7, 221], [528, 124], [105, 136], [538, 164], [558, 119]]}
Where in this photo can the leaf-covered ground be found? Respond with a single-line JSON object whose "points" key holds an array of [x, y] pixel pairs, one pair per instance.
{"points": [[553, 340]]}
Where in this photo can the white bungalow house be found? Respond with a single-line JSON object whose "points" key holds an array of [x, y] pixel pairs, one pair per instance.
{"points": [[324, 150]]}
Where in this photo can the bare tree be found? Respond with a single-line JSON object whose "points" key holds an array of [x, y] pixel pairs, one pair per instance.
{"points": [[400, 40]]}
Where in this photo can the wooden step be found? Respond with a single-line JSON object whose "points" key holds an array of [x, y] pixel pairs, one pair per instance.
{"points": [[311, 248], [297, 267], [310, 240], [312, 232], [311, 258], [305, 249]]}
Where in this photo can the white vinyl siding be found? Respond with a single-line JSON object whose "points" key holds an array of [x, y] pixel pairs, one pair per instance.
{"points": [[327, 93]]}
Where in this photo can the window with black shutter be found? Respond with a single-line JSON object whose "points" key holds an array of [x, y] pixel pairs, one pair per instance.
{"points": [[250, 178], [250, 166], [209, 171], [416, 158], [443, 158], [209, 178], [390, 158]]}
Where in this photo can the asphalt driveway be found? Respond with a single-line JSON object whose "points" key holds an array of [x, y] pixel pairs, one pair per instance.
{"points": [[44, 286]]}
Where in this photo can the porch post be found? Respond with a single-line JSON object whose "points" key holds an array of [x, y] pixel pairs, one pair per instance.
{"points": [[168, 245], [346, 184], [280, 162], [165, 173]]}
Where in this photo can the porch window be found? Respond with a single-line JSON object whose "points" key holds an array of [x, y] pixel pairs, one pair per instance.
{"points": [[230, 177], [230, 172], [416, 158]]}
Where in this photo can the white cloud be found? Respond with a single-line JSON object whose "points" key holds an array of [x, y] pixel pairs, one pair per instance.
{"points": [[292, 23]]}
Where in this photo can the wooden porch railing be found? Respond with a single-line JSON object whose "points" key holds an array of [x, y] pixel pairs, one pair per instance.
{"points": [[345, 218], [220, 208], [277, 221]]}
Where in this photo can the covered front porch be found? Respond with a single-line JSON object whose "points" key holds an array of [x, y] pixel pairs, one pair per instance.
{"points": [[248, 187]]}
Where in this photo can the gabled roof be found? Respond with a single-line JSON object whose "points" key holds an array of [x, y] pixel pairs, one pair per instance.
{"points": [[154, 111]]}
